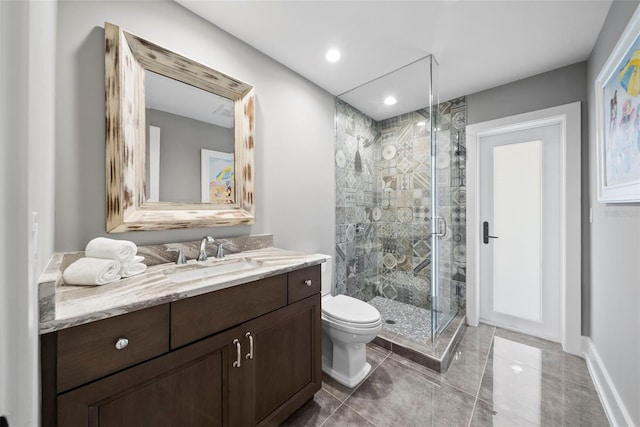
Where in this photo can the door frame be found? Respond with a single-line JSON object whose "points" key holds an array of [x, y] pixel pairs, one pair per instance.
{"points": [[568, 117]]}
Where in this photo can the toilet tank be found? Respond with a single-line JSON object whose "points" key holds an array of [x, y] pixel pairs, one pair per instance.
{"points": [[327, 277]]}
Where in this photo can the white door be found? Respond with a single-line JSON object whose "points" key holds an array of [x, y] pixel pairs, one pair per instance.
{"points": [[520, 225]]}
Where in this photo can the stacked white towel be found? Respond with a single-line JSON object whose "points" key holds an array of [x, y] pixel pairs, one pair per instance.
{"points": [[106, 260], [133, 267], [92, 271], [120, 250], [123, 251]]}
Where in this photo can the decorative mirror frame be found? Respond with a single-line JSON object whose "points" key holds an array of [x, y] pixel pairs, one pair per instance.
{"points": [[127, 56]]}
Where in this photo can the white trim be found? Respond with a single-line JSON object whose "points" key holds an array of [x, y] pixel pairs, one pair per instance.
{"points": [[629, 192], [568, 116], [612, 403]]}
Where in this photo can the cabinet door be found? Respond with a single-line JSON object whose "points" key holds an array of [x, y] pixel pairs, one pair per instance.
{"points": [[185, 387], [286, 359]]}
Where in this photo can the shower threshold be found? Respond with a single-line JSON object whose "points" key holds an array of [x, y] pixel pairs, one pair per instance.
{"points": [[407, 331]]}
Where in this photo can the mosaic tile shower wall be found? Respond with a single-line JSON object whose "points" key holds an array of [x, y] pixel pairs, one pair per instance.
{"points": [[383, 190]]}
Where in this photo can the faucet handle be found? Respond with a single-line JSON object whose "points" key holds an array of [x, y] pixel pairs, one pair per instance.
{"points": [[220, 253], [181, 258]]}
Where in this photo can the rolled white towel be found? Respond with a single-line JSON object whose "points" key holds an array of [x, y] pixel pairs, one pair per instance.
{"points": [[133, 266], [101, 247], [92, 271]]}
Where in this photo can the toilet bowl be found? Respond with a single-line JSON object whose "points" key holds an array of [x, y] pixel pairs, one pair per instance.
{"points": [[348, 324]]}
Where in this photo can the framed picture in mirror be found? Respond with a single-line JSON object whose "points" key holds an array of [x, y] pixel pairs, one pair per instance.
{"points": [[217, 177]]}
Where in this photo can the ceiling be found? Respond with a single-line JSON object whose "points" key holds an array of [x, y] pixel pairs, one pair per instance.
{"points": [[478, 44]]}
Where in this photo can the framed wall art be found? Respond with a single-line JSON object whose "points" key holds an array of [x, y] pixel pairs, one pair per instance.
{"points": [[618, 119]]}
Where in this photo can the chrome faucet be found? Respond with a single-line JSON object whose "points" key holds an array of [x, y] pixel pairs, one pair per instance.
{"points": [[203, 247]]}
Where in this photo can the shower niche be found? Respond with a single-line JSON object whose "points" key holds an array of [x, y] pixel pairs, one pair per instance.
{"points": [[400, 209]]}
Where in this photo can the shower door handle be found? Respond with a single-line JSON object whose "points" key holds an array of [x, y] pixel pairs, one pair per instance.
{"points": [[485, 233], [440, 227]]}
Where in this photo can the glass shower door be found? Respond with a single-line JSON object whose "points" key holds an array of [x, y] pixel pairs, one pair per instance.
{"points": [[443, 303]]}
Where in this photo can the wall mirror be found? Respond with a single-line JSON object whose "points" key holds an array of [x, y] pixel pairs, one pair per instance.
{"points": [[179, 140]]}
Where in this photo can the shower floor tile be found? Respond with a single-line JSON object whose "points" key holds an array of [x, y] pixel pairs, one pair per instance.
{"points": [[407, 331], [405, 319]]}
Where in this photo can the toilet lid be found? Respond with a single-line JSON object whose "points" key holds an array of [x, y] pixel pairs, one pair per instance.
{"points": [[350, 310]]}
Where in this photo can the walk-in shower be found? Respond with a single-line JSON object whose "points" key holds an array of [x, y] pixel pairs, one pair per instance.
{"points": [[400, 203]]}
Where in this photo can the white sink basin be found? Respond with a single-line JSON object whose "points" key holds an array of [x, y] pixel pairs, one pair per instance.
{"points": [[215, 270]]}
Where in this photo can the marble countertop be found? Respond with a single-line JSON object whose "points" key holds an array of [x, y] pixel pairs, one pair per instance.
{"points": [[63, 306]]}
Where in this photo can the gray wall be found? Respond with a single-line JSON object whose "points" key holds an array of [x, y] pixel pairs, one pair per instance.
{"points": [[27, 47], [615, 250], [181, 140], [562, 86], [550, 89], [294, 127]]}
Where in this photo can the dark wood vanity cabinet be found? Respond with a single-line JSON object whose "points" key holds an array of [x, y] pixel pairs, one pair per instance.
{"points": [[257, 372], [184, 387], [286, 365]]}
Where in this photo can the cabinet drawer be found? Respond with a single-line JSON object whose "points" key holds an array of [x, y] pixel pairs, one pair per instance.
{"points": [[88, 352], [298, 288], [198, 317]]}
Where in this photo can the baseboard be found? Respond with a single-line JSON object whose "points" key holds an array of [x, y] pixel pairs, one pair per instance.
{"points": [[613, 405]]}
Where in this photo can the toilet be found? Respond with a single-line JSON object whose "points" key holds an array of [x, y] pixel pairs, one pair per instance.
{"points": [[348, 324]]}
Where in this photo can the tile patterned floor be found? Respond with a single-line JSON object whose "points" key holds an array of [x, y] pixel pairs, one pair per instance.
{"points": [[405, 319], [497, 378]]}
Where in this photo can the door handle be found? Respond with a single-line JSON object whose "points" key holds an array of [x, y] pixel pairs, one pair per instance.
{"points": [[485, 233], [439, 227]]}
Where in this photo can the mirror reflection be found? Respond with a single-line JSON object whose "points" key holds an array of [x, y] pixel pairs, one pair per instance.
{"points": [[189, 143]]}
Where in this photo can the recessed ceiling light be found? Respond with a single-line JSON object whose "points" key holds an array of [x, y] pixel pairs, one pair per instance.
{"points": [[390, 100], [333, 55]]}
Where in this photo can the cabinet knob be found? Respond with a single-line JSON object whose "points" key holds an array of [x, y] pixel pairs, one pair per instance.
{"points": [[122, 343], [308, 282]]}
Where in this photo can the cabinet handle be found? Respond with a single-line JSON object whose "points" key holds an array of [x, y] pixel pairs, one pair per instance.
{"points": [[250, 354], [236, 342], [308, 282], [122, 343]]}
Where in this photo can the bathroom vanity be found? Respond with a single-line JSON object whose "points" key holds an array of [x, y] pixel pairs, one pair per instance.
{"points": [[231, 342], [240, 348]]}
